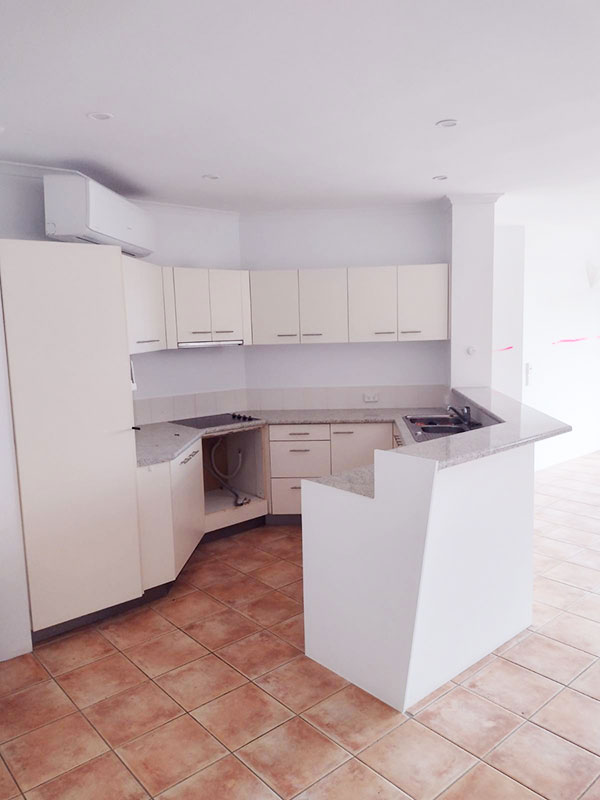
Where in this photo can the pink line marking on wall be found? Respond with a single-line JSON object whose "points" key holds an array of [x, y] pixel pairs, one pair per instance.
{"points": [[571, 341], [502, 349]]}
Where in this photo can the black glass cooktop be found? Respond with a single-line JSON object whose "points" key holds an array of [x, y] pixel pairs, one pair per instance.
{"points": [[214, 421]]}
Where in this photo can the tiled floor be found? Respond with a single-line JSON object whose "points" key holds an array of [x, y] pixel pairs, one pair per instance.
{"points": [[208, 694]]}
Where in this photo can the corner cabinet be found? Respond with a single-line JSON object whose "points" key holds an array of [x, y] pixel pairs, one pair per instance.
{"points": [[373, 304], [275, 313], [144, 305], [422, 302]]}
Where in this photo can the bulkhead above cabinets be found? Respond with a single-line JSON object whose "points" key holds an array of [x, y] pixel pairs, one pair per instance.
{"points": [[194, 307]]}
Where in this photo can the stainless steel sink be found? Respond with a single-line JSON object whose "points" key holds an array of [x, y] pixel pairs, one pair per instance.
{"points": [[432, 426]]}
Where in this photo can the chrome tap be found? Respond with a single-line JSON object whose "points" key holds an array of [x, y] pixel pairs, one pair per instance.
{"points": [[464, 414]]}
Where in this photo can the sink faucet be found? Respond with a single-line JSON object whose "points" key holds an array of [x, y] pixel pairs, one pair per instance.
{"points": [[464, 414]]}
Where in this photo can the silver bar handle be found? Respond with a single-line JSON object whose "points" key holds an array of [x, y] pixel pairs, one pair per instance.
{"points": [[340, 433], [198, 333], [189, 458], [312, 334], [285, 335], [295, 487], [384, 333], [146, 341], [304, 433], [411, 331], [223, 331], [306, 450]]}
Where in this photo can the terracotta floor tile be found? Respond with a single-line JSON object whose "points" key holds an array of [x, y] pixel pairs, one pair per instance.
{"points": [[221, 629], [73, 651], [278, 574], [353, 780], [295, 591], [292, 630], [520, 637], [31, 708], [165, 653], [134, 628], [353, 718], [417, 760], [575, 575], [470, 721], [564, 534], [189, 608], [178, 589], [288, 548], [228, 779], [465, 674], [549, 657], [200, 681], [573, 716], [593, 793], [20, 672], [301, 683], [513, 687], [428, 699], [248, 559], [270, 608], [485, 783], [8, 788], [587, 558], [132, 713], [576, 631], [268, 533], [47, 752], [242, 715], [542, 563], [104, 777], [543, 614], [237, 591], [203, 573], [588, 606], [564, 518], [554, 593], [589, 681], [555, 548], [258, 653], [100, 679], [292, 757], [171, 753], [547, 764]]}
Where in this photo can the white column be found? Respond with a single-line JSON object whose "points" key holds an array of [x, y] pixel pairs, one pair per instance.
{"points": [[472, 288]]}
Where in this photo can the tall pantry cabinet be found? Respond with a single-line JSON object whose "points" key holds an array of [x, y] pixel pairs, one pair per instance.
{"points": [[70, 387]]}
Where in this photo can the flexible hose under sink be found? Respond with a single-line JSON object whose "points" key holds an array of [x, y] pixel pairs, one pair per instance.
{"points": [[223, 477]]}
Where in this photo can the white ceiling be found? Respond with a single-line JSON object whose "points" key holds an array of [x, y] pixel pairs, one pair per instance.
{"points": [[305, 103]]}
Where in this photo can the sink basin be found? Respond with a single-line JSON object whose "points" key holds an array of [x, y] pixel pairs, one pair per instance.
{"points": [[444, 428], [441, 419], [430, 426]]}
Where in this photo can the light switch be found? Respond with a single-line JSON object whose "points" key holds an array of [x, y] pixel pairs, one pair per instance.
{"points": [[372, 397]]}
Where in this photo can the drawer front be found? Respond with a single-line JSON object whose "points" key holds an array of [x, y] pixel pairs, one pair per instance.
{"points": [[285, 495], [300, 459], [354, 445], [292, 433]]}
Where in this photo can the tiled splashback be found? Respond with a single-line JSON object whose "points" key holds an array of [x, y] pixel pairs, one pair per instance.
{"points": [[164, 409]]}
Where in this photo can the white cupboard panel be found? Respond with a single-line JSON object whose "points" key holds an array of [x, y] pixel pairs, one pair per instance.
{"points": [[170, 313], [275, 317], [422, 302], [285, 495], [298, 433], [70, 387], [373, 304], [156, 525], [192, 305], [226, 304], [144, 304], [187, 493], [246, 306], [354, 445], [305, 459], [323, 305]]}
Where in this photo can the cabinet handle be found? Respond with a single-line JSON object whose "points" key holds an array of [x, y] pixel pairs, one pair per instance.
{"points": [[312, 334], [411, 331], [223, 331], [284, 335], [196, 333], [304, 433], [189, 458], [295, 487], [384, 333], [306, 450], [147, 341], [341, 433]]}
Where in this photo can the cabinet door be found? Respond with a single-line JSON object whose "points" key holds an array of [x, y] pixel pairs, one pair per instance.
{"points": [[304, 459], [286, 495], [156, 525], [192, 305], [144, 304], [323, 305], [354, 445], [187, 499], [422, 302], [66, 336], [275, 318], [373, 304], [226, 304]]}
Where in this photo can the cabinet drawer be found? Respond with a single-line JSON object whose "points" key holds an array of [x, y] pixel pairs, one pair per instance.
{"points": [[285, 495], [293, 433], [354, 445], [300, 459]]}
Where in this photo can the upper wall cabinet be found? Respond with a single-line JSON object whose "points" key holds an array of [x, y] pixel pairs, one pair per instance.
{"points": [[372, 304], [275, 317], [422, 302], [192, 305], [144, 303], [226, 304], [323, 305]]}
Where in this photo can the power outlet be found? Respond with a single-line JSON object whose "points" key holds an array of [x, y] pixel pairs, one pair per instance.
{"points": [[370, 397]]}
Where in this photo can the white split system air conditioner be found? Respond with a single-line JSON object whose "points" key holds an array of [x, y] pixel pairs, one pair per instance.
{"points": [[80, 210]]}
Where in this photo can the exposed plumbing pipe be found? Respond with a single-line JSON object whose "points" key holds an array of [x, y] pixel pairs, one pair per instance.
{"points": [[223, 477]]}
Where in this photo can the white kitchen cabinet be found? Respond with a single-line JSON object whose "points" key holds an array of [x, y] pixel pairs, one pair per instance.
{"points": [[144, 304], [373, 304], [298, 433], [275, 315], [323, 305], [192, 305], [286, 495], [354, 445], [225, 288], [304, 459], [67, 347], [422, 302]]}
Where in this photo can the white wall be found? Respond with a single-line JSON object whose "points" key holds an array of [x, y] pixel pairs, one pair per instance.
{"points": [[508, 297]]}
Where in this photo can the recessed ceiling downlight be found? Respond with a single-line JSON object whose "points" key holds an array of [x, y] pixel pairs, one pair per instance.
{"points": [[209, 177], [440, 178], [100, 116], [446, 123]]}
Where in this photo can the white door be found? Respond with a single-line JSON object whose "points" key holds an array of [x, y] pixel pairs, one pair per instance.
{"points": [[226, 304], [144, 304], [70, 389], [323, 305], [354, 445], [192, 305], [187, 500], [373, 304], [422, 302], [275, 318]]}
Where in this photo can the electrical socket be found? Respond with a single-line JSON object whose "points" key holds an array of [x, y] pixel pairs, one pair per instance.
{"points": [[370, 397]]}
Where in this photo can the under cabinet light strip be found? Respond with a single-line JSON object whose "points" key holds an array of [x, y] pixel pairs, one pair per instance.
{"points": [[220, 343]]}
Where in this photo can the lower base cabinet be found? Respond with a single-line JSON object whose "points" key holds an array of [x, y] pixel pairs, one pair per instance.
{"points": [[285, 495]]}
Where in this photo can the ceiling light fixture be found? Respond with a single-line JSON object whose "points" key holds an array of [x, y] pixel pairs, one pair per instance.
{"points": [[100, 116], [209, 177], [446, 123], [440, 178]]}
